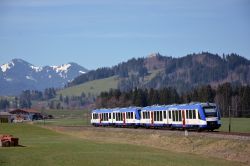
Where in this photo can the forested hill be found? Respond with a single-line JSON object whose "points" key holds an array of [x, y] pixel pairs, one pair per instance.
{"points": [[157, 71]]}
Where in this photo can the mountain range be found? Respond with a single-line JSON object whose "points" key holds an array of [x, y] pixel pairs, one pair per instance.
{"points": [[18, 75], [153, 71]]}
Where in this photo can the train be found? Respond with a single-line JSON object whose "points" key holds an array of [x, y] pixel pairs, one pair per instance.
{"points": [[196, 116]]}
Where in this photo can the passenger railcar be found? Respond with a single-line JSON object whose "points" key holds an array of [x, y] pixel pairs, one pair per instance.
{"points": [[126, 116], [200, 116], [102, 117]]}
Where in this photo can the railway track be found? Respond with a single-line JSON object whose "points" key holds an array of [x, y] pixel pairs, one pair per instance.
{"points": [[215, 134]]}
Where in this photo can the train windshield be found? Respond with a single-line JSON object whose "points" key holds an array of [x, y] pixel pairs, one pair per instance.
{"points": [[210, 111]]}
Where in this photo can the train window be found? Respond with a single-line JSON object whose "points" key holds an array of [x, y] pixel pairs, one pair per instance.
{"points": [[194, 114], [143, 115], [180, 116], [173, 114], [109, 115], [148, 115], [199, 116], [190, 114], [132, 115], [169, 114], [187, 114], [177, 116], [165, 114], [161, 115]]}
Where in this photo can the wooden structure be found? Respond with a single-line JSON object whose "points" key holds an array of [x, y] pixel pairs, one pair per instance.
{"points": [[5, 117]]}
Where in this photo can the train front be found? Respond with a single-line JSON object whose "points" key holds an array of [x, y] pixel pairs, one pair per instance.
{"points": [[212, 115]]}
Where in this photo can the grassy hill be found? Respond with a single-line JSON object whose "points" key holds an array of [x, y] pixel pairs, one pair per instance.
{"points": [[93, 87]]}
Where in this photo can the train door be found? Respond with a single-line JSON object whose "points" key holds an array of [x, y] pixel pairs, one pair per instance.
{"points": [[183, 119], [113, 118], [124, 118], [165, 115], [100, 118]]}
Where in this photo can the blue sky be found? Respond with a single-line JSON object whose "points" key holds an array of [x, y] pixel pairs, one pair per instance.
{"points": [[98, 33]]}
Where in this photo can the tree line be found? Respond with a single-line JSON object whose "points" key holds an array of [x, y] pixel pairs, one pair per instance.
{"points": [[24, 100], [225, 96]]}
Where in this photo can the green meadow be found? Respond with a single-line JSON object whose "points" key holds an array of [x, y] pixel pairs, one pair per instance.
{"points": [[237, 125], [41, 146]]}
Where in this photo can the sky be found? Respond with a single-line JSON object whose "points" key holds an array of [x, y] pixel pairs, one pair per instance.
{"points": [[100, 33]]}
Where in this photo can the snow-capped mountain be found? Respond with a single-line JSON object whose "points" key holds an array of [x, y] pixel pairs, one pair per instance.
{"points": [[18, 75]]}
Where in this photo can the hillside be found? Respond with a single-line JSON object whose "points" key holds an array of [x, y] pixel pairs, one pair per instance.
{"points": [[184, 73], [92, 87]]}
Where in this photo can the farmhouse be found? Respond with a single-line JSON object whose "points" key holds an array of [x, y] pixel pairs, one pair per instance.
{"points": [[5, 117], [23, 115]]}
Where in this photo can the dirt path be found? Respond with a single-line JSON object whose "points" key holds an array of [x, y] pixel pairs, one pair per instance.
{"points": [[229, 147]]}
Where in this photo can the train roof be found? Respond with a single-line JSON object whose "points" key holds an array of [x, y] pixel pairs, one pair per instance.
{"points": [[193, 105], [103, 110], [127, 109], [109, 110], [155, 108]]}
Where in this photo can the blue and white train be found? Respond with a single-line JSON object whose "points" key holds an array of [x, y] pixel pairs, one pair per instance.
{"points": [[200, 116]]}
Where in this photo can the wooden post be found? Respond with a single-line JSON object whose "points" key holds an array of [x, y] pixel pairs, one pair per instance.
{"points": [[229, 114]]}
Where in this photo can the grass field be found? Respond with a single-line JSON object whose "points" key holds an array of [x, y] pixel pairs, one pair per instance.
{"points": [[65, 113], [46, 147], [92, 87], [66, 118], [237, 125]]}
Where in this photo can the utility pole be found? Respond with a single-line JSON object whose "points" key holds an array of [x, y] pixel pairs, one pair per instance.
{"points": [[229, 114]]}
